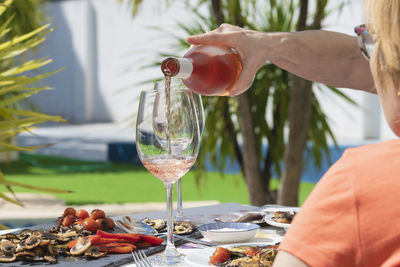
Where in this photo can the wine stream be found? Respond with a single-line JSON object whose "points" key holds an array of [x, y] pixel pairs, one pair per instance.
{"points": [[167, 105]]}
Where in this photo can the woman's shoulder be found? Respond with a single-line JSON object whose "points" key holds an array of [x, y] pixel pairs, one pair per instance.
{"points": [[372, 151]]}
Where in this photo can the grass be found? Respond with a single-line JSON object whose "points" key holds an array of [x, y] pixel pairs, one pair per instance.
{"points": [[95, 183]]}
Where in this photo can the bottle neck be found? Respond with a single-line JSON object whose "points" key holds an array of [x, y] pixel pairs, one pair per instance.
{"points": [[177, 67]]}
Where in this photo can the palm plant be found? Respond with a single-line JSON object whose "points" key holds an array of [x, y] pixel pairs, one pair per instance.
{"points": [[237, 128], [17, 86]]}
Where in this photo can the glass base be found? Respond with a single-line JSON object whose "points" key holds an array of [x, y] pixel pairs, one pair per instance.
{"points": [[170, 257], [180, 217]]}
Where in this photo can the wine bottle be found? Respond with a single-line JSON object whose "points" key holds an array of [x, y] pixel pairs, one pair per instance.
{"points": [[206, 70]]}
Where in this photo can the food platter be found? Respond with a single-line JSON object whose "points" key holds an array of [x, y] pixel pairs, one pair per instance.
{"points": [[269, 216], [110, 260], [201, 257]]}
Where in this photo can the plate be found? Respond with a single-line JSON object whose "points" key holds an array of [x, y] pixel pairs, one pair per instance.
{"points": [[228, 232], [201, 257], [269, 214]]}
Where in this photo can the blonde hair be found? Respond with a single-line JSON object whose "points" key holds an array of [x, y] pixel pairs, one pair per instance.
{"points": [[383, 22]]}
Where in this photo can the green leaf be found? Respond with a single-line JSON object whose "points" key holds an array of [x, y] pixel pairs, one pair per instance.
{"points": [[6, 198]]}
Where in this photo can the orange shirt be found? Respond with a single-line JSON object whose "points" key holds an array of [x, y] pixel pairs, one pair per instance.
{"points": [[352, 217]]}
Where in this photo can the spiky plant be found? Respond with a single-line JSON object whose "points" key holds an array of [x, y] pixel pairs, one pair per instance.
{"points": [[17, 84]]}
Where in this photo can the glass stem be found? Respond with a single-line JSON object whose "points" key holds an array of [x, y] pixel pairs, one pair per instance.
{"points": [[170, 223], [179, 212]]}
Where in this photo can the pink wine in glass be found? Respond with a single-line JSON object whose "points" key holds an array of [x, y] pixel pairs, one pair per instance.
{"points": [[169, 169], [206, 70]]}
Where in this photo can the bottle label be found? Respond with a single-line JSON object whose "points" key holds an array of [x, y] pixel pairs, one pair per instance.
{"points": [[185, 68]]}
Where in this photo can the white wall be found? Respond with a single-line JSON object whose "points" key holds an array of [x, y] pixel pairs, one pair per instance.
{"points": [[102, 47]]}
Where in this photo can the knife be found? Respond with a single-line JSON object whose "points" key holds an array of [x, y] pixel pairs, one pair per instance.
{"points": [[196, 241]]}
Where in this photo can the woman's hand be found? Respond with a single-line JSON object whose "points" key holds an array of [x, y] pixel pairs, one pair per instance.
{"points": [[242, 40]]}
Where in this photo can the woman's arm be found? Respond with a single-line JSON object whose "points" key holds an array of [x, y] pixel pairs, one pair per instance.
{"points": [[328, 57], [284, 259]]}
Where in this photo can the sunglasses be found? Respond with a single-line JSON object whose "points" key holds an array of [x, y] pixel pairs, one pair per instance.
{"points": [[365, 41]]}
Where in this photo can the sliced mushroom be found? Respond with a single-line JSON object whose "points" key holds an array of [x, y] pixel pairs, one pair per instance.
{"points": [[81, 246], [24, 234], [25, 255], [7, 257], [52, 251], [50, 259], [158, 225], [39, 251], [37, 234], [32, 242], [44, 242], [95, 253], [7, 247], [77, 227], [182, 227], [13, 238]]}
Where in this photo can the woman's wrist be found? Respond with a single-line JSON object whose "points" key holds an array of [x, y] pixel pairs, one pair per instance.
{"points": [[272, 45]]}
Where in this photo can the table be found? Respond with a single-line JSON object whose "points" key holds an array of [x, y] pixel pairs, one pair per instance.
{"points": [[199, 215]]}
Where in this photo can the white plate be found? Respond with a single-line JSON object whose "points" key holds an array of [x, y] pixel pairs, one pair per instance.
{"points": [[269, 214], [201, 257]]}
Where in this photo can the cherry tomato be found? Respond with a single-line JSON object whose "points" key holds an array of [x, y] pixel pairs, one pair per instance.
{"points": [[110, 223], [68, 220], [90, 224], [69, 211], [220, 255], [101, 223], [82, 214], [95, 214]]}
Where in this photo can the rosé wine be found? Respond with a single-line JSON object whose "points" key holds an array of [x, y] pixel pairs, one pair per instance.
{"points": [[206, 70], [169, 169]]}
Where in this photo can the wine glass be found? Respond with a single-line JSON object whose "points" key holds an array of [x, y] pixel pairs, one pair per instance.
{"points": [[167, 141], [176, 83]]}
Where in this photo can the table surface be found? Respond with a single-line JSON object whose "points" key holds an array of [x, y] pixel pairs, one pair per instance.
{"points": [[199, 215]]}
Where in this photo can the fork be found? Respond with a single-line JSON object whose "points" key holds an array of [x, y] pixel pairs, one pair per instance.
{"points": [[141, 260]]}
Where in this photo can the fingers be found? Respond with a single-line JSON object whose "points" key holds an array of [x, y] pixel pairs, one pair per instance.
{"points": [[244, 82], [241, 87], [220, 36], [210, 38]]}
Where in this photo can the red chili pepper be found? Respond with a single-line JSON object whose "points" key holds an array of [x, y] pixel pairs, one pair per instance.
{"points": [[116, 244], [142, 245], [151, 239], [117, 248], [92, 238], [131, 237], [121, 250], [103, 240]]}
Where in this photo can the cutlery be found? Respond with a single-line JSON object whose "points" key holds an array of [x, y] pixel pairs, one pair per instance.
{"points": [[141, 260], [127, 224], [196, 241]]}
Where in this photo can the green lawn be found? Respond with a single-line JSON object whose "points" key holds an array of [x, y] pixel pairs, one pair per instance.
{"points": [[119, 183]]}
